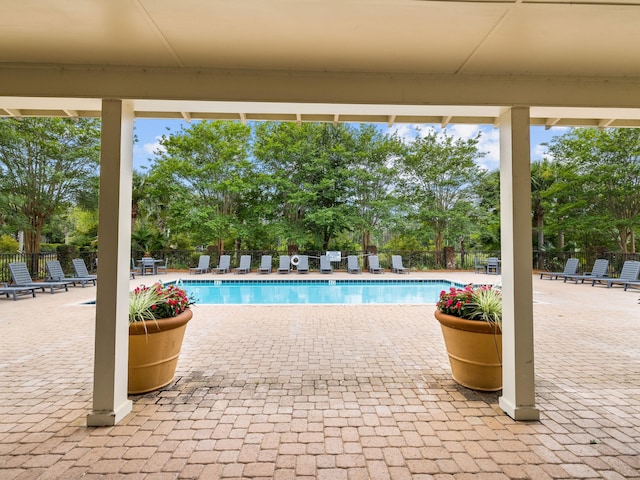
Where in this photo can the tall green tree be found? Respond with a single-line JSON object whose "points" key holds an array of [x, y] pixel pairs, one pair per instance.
{"points": [[202, 177], [601, 169], [45, 163], [438, 177], [309, 169]]}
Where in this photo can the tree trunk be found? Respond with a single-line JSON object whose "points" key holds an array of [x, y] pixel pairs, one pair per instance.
{"points": [[633, 241], [32, 242], [365, 240], [560, 240]]}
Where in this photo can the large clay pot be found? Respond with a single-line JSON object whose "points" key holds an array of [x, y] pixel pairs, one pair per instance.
{"points": [[154, 347], [475, 351]]}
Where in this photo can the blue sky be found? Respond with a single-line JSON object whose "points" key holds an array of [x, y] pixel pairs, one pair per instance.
{"points": [[149, 131]]}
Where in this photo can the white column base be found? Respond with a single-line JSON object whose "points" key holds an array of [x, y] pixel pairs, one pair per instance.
{"points": [[519, 413], [109, 419]]}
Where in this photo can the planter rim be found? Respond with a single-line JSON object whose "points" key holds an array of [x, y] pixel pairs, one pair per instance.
{"points": [[161, 324], [458, 323]]}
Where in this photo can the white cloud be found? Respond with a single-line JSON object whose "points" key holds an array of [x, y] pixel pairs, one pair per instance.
{"points": [[154, 147]]}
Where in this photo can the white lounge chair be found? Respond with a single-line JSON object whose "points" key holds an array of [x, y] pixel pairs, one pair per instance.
{"points": [[396, 264], [203, 265], [265, 264]]}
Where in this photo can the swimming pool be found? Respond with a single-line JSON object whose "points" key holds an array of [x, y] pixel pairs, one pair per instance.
{"points": [[316, 292]]}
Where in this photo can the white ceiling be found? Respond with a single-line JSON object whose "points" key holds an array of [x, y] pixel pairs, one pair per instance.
{"points": [[517, 42]]}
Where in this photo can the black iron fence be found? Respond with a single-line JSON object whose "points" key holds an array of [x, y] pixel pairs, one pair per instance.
{"points": [[414, 260]]}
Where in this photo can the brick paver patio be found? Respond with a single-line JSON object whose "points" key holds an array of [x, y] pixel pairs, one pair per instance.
{"points": [[321, 392]]}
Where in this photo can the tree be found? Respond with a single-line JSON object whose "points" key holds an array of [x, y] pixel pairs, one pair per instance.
{"points": [[309, 172], [203, 177], [438, 174], [45, 162], [601, 169]]}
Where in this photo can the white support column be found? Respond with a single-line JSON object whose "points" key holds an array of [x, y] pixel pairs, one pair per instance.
{"points": [[518, 378], [110, 402]]}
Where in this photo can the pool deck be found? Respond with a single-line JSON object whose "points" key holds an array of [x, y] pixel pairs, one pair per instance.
{"points": [[324, 392]]}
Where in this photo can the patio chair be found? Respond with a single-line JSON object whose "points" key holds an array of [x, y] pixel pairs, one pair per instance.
{"points": [[135, 269], [224, 265], [493, 266], [162, 266], [396, 264], [374, 264], [56, 274], [478, 266], [325, 264], [203, 265], [303, 264], [629, 273], [245, 264], [15, 291], [352, 264], [598, 272], [285, 264], [81, 269], [265, 264], [22, 278], [570, 268]]}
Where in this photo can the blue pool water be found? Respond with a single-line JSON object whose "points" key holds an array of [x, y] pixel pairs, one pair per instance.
{"points": [[312, 292]]}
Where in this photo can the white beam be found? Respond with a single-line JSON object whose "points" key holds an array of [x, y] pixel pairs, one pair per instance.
{"points": [[391, 120], [243, 118], [604, 123], [551, 122], [14, 112], [299, 119], [71, 113], [518, 380], [336, 118], [110, 402], [186, 116], [445, 121]]}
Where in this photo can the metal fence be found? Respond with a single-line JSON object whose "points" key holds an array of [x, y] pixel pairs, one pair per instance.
{"points": [[415, 260]]}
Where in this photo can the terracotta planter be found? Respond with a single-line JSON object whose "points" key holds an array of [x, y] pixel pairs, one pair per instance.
{"points": [[475, 352], [153, 353]]}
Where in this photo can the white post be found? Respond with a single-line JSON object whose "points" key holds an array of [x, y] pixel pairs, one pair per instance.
{"points": [[110, 402], [518, 376]]}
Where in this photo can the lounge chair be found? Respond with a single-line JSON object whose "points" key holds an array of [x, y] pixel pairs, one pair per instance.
{"points": [[22, 278], [81, 269], [493, 266], [635, 283], [245, 264], [203, 265], [325, 264], [285, 264], [303, 264], [598, 272], [629, 273], [265, 264], [374, 264], [224, 265], [352, 264], [396, 264], [570, 268], [56, 274], [15, 291]]}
